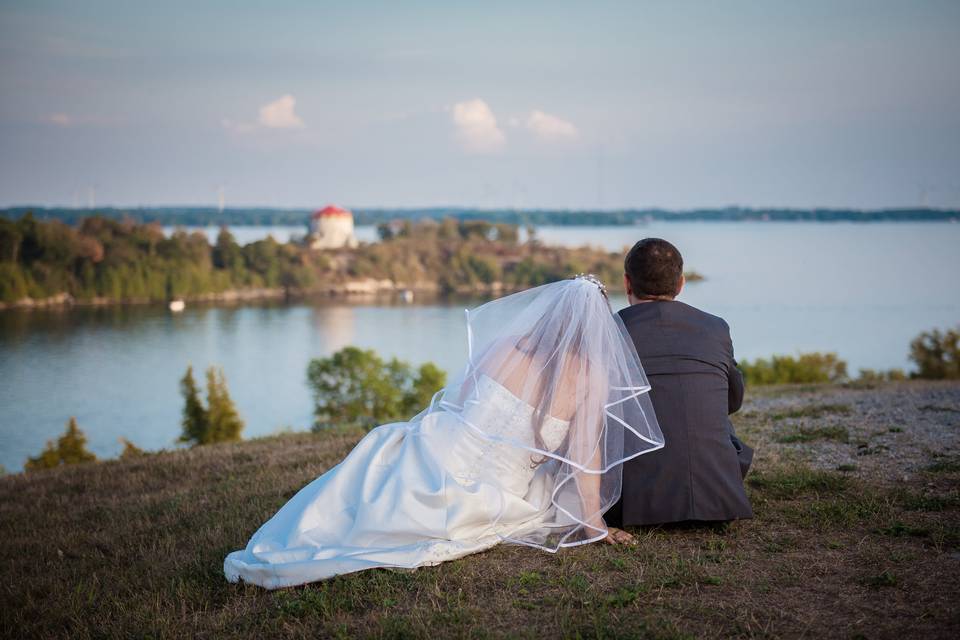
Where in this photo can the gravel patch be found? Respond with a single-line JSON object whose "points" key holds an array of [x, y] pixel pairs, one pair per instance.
{"points": [[888, 431]]}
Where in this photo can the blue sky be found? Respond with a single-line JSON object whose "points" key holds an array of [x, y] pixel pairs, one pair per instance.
{"points": [[565, 105]]}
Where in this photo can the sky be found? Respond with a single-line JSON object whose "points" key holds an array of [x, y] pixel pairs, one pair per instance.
{"points": [[496, 104]]}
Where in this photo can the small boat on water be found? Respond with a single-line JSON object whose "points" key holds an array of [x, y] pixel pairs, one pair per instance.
{"points": [[406, 295], [177, 305]]}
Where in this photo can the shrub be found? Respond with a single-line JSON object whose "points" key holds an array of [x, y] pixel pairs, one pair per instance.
{"points": [[219, 421], [71, 448], [355, 387], [937, 354], [805, 368], [130, 450], [873, 375]]}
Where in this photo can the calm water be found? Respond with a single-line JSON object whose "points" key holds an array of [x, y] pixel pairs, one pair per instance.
{"points": [[861, 290]]}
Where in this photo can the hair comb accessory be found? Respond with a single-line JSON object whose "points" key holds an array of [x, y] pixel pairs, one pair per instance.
{"points": [[589, 277]]}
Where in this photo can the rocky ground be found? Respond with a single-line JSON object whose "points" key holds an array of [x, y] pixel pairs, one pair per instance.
{"points": [[887, 433]]}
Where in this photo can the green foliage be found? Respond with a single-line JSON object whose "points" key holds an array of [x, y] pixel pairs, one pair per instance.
{"points": [[224, 422], [13, 282], [130, 450], [194, 422], [937, 354], [122, 260], [71, 448], [219, 421], [430, 379], [872, 375], [355, 387], [805, 368], [470, 256]]}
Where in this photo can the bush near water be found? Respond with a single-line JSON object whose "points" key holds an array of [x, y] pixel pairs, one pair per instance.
{"points": [[357, 388], [935, 353], [219, 421]]}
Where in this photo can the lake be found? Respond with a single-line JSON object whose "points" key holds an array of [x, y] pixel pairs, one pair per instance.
{"points": [[862, 290]]}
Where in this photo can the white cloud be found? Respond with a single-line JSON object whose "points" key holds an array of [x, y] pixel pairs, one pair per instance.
{"points": [[477, 127], [280, 114], [550, 127]]}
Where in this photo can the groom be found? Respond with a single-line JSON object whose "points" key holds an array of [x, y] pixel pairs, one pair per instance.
{"points": [[688, 357]]}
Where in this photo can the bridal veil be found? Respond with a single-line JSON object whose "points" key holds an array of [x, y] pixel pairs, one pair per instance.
{"points": [[561, 350]]}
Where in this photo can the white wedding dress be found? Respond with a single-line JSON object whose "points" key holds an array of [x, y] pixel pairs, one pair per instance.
{"points": [[410, 494], [489, 460]]}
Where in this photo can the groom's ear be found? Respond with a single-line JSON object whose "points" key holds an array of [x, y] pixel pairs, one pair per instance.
{"points": [[683, 281], [627, 287]]}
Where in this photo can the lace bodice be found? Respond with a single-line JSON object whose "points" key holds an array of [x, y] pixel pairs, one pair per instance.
{"points": [[500, 413], [496, 422]]}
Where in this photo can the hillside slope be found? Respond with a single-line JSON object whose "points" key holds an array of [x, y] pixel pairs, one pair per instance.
{"points": [[857, 534]]}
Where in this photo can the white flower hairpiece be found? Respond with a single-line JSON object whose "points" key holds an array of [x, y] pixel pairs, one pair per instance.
{"points": [[589, 277]]}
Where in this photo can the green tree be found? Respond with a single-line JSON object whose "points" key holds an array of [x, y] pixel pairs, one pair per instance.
{"points": [[872, 375], [13, 284], [71, 448], [937, 354], [10, 239], [226, 252], [430, 379], [195, 422], [355, 387], [224, 422], [219, 420]]}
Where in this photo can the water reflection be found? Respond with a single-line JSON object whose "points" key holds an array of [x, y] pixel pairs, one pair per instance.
{"points": [[335, 327]]}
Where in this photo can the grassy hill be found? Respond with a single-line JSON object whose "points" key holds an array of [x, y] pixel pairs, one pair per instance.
{"points": [[857, 534]]}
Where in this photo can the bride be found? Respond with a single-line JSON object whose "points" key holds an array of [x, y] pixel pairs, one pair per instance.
{"points": [[524, 446]]}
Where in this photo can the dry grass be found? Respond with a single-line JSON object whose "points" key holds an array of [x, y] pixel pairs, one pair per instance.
{"points": [[135, 548]]}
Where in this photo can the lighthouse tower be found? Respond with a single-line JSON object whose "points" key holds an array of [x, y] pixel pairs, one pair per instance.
{"points": [[331, 228]]}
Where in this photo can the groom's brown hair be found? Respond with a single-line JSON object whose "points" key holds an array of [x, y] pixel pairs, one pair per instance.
{"points": [[654, 267]]}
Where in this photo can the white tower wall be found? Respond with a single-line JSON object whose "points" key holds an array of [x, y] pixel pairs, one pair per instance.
{"points": [[332, 232]]}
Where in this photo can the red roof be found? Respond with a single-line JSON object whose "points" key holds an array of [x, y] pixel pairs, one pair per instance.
{"points": [[330, 210]]}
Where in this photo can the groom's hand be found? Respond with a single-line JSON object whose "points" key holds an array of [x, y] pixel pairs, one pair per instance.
{"points": [[619, 536]]}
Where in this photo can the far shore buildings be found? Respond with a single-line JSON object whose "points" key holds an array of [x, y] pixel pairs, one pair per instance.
{"points": [[331, 228]]}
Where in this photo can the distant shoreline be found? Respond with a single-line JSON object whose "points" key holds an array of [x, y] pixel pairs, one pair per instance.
{"points": [[365, 289], [352, 290], [267, 216]]}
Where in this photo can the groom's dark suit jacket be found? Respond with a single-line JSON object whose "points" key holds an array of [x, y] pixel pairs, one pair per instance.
{"points": [[698, 475]]}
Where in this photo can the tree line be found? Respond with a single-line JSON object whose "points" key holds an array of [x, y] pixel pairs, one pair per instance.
{"points": [[125, 261], [122, 260], [213, 216]]}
